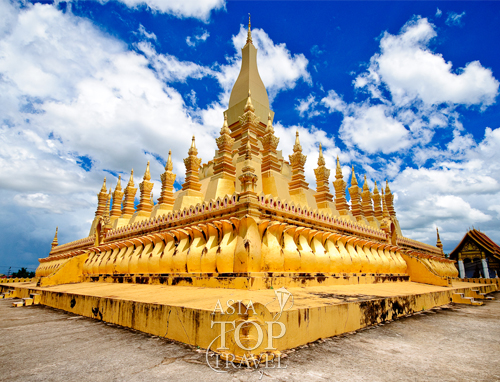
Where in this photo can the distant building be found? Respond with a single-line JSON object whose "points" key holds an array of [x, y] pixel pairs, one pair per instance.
{"points": [[477, 256]]}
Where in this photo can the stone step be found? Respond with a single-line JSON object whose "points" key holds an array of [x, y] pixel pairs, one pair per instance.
{"points": [[36, 298], [459, 298], [27, 301], [8, 294], [476, 293]]}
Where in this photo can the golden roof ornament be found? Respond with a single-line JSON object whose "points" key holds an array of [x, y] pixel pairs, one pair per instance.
{"points": [[55, 243], [104, 188], [269, 128], [169, 166], [338, 174], [354, 181], [365, 185], [166, 199], [321, 159], [439, 244], [131, 180], [108, 203], [119, 184], [192, 150], [225, 127], [249, 105], [375, 189], [297, 147], [147, 175], [248, 153]]}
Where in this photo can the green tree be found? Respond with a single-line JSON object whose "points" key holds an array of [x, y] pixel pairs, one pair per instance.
{"points": [[23, 273]]}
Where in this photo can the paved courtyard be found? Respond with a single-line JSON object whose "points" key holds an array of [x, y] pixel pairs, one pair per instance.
{"points": [[454, 343]]}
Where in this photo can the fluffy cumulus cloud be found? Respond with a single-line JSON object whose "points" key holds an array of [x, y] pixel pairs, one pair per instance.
{"points": [[199, 9], [459, 190], [76, 104], [411, 72], [411, 92]]}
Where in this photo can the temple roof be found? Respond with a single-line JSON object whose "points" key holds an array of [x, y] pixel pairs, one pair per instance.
{"points": [[481, 239], [248, 79]]}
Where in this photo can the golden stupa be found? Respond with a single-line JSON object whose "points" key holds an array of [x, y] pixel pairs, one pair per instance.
{"points": [[246, 221]]}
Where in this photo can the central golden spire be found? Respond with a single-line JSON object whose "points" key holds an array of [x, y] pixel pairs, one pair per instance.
{"points": [[248, 79]]}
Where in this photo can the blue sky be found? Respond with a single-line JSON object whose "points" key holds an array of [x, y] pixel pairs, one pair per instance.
{"points": [[405, 91]]}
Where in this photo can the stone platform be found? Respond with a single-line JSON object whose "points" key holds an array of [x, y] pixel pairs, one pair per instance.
{"points": [[188, 314]]}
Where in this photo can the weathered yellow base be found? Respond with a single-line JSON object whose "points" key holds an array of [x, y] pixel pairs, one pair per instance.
{"points": [[185, 314], [252, 281]]}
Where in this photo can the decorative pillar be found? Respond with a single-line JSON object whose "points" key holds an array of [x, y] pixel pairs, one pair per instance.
{"points": [[355, 197], [117, 200], [340, 185], [166, 199], [190, 194], [366, 203], [222, 181], [461, 268], [145, 207], [298, 184], [249, 123], [385, 211], [385, 224], [102, 198], [322, 196], [485, 268], [376, 203], [270, 142], [224, 161], [192, 163], [248, 178], [389, 200], [128, 208], [273, 182]]}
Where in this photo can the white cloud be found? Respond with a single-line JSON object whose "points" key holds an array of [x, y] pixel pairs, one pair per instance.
{"points": [[169, 68], [424, 92], [333, 102], [307, 107], [196, 39], [439, 12], [373, 129], [71, 92], [454, 18], [459, 190], [145, 33], [411, 72], [199, 9]]}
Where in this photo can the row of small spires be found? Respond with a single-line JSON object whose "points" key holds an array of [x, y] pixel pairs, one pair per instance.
{"points": [[169, 168], [297, 182]]}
